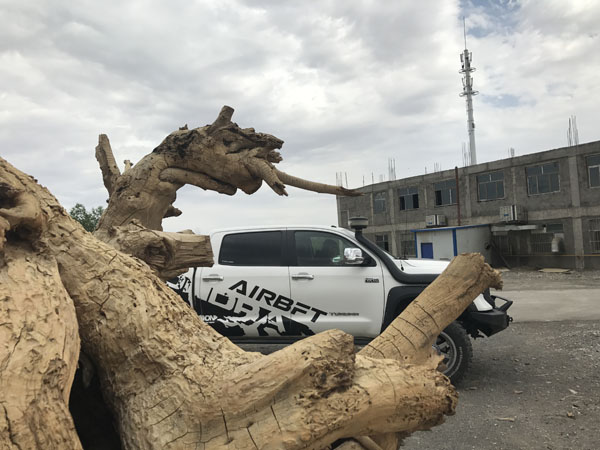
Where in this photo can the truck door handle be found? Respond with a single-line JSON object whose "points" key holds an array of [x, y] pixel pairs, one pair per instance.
{"points": [[303, 276], [213, 277]]}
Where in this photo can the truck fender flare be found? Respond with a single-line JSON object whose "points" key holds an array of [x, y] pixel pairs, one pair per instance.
{"points": [[398, 299]]}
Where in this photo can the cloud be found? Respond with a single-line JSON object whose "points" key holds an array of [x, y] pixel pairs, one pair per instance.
{"points": [[346, 85]]}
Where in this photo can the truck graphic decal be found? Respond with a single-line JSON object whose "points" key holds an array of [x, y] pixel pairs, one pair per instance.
{"points": [[181, 285], [248, 309], [276, 301], [231, 317]]}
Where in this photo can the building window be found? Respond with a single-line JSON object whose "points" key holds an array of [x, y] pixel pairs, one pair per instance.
{"points": [[554, 228], [541, 243], [409, 198], [445, 192], [382, 241], [593, 164], [407, 244], [595, 235], [379, 200], [543, 179], [490, 186], [502, 243]]}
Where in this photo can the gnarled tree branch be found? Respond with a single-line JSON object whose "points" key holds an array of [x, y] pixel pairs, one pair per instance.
{"points": [[169, 254], [108, 166], [315, 187], [221, 157]]}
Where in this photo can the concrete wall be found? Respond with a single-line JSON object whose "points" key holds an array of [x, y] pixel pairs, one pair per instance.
{"points": [[588, 196], [572, 206], [591, 257], [475, 239]]}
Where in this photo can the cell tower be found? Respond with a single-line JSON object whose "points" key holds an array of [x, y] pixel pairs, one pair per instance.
{"points": [[468, 92]]}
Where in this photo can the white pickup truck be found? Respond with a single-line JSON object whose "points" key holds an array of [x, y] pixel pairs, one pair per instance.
{"points": [[280, 284]]}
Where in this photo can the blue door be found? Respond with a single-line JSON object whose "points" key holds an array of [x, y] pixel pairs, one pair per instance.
{"points": [[427, 250]]}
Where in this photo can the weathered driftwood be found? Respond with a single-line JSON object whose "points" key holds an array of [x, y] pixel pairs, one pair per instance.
{"points": [[168, 254], [410, 337], [221, 157], [39, 343], [173, 382]]}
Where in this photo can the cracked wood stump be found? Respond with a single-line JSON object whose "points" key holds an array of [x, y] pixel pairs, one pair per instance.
{"points": [[169, 379]]}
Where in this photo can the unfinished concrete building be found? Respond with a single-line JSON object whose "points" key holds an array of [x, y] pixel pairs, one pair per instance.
{"points": [[541, 210]]}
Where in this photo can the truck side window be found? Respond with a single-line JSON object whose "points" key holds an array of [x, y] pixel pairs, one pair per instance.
{"points": [[264, 248], [317, 248]]}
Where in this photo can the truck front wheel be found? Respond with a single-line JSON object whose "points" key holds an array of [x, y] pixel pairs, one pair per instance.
{"points": [[454, 344]]}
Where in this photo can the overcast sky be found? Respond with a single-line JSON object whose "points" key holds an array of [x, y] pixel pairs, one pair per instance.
{"points": [[346, 84]]}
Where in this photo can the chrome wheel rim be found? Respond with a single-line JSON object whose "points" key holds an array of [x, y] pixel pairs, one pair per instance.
{"points": [[447, 348]]}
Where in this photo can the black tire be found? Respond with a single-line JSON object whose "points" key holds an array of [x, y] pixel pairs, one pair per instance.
{"points": [[455, 345]]}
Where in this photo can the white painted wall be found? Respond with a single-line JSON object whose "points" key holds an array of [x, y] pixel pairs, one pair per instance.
{"points": [[441, 240], [467, 240]]}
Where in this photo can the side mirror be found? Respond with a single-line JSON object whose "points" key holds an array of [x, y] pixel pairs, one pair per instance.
{"points": [[353, 256]]}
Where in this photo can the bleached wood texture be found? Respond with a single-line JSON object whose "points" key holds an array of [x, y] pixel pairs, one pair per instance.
{"points": [[221, 157], [173, 382], [410, 337], [39, 342], [168, 254], [170, 380]]}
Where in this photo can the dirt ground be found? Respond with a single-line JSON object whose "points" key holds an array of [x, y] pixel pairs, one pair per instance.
{"points": [[529, 279], [536, 385]]}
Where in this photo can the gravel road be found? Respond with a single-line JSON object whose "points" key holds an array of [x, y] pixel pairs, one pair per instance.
{"points": [[536, 385], [528, 279]]}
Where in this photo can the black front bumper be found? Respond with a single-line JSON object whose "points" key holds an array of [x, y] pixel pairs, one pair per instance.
{"points": [[493, 321]]}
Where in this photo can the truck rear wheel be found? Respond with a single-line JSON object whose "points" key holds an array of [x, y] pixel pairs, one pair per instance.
{"points": [[454, 344]]}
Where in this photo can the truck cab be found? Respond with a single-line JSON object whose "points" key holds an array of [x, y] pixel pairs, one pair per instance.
{"points": [[280, 284], [286, 282]]}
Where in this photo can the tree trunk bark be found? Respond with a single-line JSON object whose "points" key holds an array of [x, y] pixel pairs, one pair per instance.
{"points": [[173, 382], [39, 342]]}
